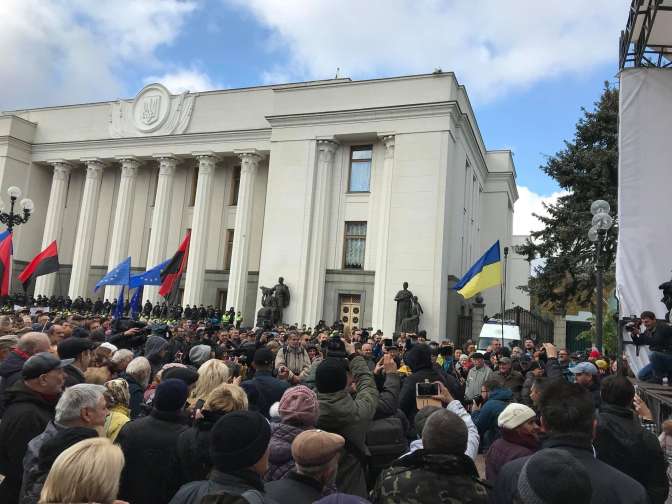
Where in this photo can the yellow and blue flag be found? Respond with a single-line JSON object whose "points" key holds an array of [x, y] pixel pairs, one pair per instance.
{"points": [[485, 273]]}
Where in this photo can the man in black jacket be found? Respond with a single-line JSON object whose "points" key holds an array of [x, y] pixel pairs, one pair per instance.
{"points": [[152, 473], [30, 406], [419, 359], [78, 349], [658, 335], [315, 454], [622, 442], [567, 417], [270, 388]]}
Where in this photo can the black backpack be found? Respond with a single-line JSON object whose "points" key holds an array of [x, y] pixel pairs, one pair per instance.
{"points": [[386, 442]]}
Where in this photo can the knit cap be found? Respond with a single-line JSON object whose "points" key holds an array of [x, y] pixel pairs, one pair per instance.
{"points": [[514, 415], [553, 476], [170, 395], [238, 440], [331, 375], [299, 406]]}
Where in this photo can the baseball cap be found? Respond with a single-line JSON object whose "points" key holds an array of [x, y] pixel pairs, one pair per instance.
{"points": [[584, 367], [42, 363], [316, 447], [71, 347]]}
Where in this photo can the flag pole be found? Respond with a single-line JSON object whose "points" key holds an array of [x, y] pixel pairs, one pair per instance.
{"points": [[503, 292]]}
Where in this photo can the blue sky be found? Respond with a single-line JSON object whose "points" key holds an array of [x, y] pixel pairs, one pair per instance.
{"points": [[528, 66]]}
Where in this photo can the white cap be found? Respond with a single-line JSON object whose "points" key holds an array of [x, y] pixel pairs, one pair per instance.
{"points": [[109, 346], [515, 415]]}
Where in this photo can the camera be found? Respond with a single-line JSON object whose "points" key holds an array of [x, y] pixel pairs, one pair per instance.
{"points": [[426, 389]]}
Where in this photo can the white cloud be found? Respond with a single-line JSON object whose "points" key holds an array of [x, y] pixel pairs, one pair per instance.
{"points": [[64, 51], [493, 46], [529, 203], [184, 79]]}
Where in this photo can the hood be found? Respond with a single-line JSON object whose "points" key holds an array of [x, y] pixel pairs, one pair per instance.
{"points": [[501, 394], [20, 393], [418, 357], [154, 345], [12, 364], [280, 445]]}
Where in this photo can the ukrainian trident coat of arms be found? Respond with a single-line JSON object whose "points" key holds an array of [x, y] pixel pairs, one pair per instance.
{"points": [[150, 109]]}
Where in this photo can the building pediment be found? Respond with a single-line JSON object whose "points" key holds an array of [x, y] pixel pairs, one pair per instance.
{"points": [[153, 112]]}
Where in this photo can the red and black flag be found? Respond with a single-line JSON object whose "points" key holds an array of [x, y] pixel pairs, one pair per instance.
{"points": [[42, 264], [5, 264], [173, 270]]}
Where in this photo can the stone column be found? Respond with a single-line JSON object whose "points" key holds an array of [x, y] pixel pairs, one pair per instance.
{"points": [[313, 299], [195, 281], [477, 316], [237, 289], [86, 227], [122, 218], [383, 229], [44, 285], [559, 330], [156, 252]]}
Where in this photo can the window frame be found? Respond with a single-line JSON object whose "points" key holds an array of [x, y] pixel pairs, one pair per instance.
{"points": [[356, 148], [347, 237]]}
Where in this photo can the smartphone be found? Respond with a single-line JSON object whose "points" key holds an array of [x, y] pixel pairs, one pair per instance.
{"points": [[426, 389]]}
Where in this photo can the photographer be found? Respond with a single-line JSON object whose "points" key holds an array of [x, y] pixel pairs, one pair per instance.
{"points": [[658, 335]]}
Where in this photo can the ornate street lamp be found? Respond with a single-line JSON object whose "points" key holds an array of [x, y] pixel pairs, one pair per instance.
{"points": [[597, 234], [11, 219]]}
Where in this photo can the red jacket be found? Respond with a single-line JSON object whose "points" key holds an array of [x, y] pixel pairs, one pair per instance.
{"points": [[507, 448]]}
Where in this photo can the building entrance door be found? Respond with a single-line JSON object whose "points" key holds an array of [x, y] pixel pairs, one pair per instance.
{"points": [[350, 310]]}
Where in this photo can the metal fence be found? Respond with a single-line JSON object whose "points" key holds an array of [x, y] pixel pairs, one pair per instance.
{"points": [[463, 329], [533, 326]]}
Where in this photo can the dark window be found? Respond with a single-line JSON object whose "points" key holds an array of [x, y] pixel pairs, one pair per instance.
{"points": [[153, 186], [194, 186], [360, 168], [354, 245], [235, 186], [229, 249]]}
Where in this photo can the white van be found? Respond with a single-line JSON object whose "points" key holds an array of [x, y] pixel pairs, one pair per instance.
{"points": [[492, 329]]}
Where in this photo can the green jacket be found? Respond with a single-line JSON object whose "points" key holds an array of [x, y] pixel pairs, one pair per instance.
{"points": [[341, 414]]}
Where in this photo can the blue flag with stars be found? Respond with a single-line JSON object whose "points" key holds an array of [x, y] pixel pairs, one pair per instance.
{"points": [[119, 310], [136, 301], [120, 275], [149, 277]]}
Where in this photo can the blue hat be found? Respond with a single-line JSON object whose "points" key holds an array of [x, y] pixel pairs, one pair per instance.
{"points": [[170, 395], [584, 367]]}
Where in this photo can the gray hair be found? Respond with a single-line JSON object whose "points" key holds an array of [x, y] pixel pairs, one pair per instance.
{"points": [[76, 398], [121, 355], [30, 341], [445, 433], [140, 369]]}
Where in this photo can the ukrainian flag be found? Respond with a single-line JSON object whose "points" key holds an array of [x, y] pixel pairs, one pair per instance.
{"points": [[485, 273]]}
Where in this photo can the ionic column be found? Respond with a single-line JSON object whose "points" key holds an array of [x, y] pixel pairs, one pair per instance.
{"points": [[122, 218], [235, 296], [156, 252], [313, 299], [383, 227], [195, 280], [44, 285], [81, 257]]}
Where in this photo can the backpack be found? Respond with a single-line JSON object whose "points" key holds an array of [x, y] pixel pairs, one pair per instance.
{"points": [[248, 497], [386, 442]]}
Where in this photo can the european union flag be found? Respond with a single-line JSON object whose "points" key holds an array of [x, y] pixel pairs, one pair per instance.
{"points": [[149, 277], [120, 275], [119, 310], [136, 301]]}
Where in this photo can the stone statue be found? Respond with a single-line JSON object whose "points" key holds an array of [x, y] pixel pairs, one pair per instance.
{"points": [[273, 301], [404, 299], [410, 324]]}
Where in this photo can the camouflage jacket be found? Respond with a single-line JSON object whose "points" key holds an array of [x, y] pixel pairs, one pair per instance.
{"points": [[419, 478]]}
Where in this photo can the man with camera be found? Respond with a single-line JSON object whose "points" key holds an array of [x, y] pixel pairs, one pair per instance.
{"points": [[658, 335]]}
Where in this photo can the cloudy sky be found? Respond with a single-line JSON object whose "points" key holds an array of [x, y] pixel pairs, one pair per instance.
{"points": [[528, 66]]}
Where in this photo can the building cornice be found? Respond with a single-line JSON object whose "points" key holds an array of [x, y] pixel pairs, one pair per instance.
{"points": [[42, 151], [431, 109], [15, 142]]}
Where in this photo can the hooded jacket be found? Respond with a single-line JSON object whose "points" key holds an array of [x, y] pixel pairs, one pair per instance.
{"points": [[341, 414], [486, 418], [419, 360], [623, 443], [10, 373], [280, 460], [26, 416]]}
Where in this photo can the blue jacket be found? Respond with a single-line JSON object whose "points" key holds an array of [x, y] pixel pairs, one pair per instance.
{"points": [[270, 390], [486, 418]]}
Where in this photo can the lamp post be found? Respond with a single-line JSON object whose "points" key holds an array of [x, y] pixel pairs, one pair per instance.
{"points": [[597, 234], [11, 219]]}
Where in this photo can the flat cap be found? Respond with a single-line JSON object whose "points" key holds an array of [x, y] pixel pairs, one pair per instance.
{"points": [[316, 447], [584, 367], [42, 363]]}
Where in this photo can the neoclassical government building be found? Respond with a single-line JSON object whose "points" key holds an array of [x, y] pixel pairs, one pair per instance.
{"points": [[344, 188]]}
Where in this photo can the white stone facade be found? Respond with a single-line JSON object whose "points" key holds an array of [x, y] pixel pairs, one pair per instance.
{"points": [[261, 177]]}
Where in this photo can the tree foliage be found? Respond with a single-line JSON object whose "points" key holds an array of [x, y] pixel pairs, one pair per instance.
{"points": [[587, 168]]}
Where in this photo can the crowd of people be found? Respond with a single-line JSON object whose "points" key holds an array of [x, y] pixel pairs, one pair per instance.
{"points": [[197, 410]]}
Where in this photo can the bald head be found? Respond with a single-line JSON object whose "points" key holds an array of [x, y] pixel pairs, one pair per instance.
{"points": [[445, 433], [33, 343]]}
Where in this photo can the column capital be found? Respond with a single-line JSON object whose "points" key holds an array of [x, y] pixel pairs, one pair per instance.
{"points": [[129, 165], [327, 145], [167, 163], [388, 141], [94, 167], [249, 159], [61, 167], [206, 161]]}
